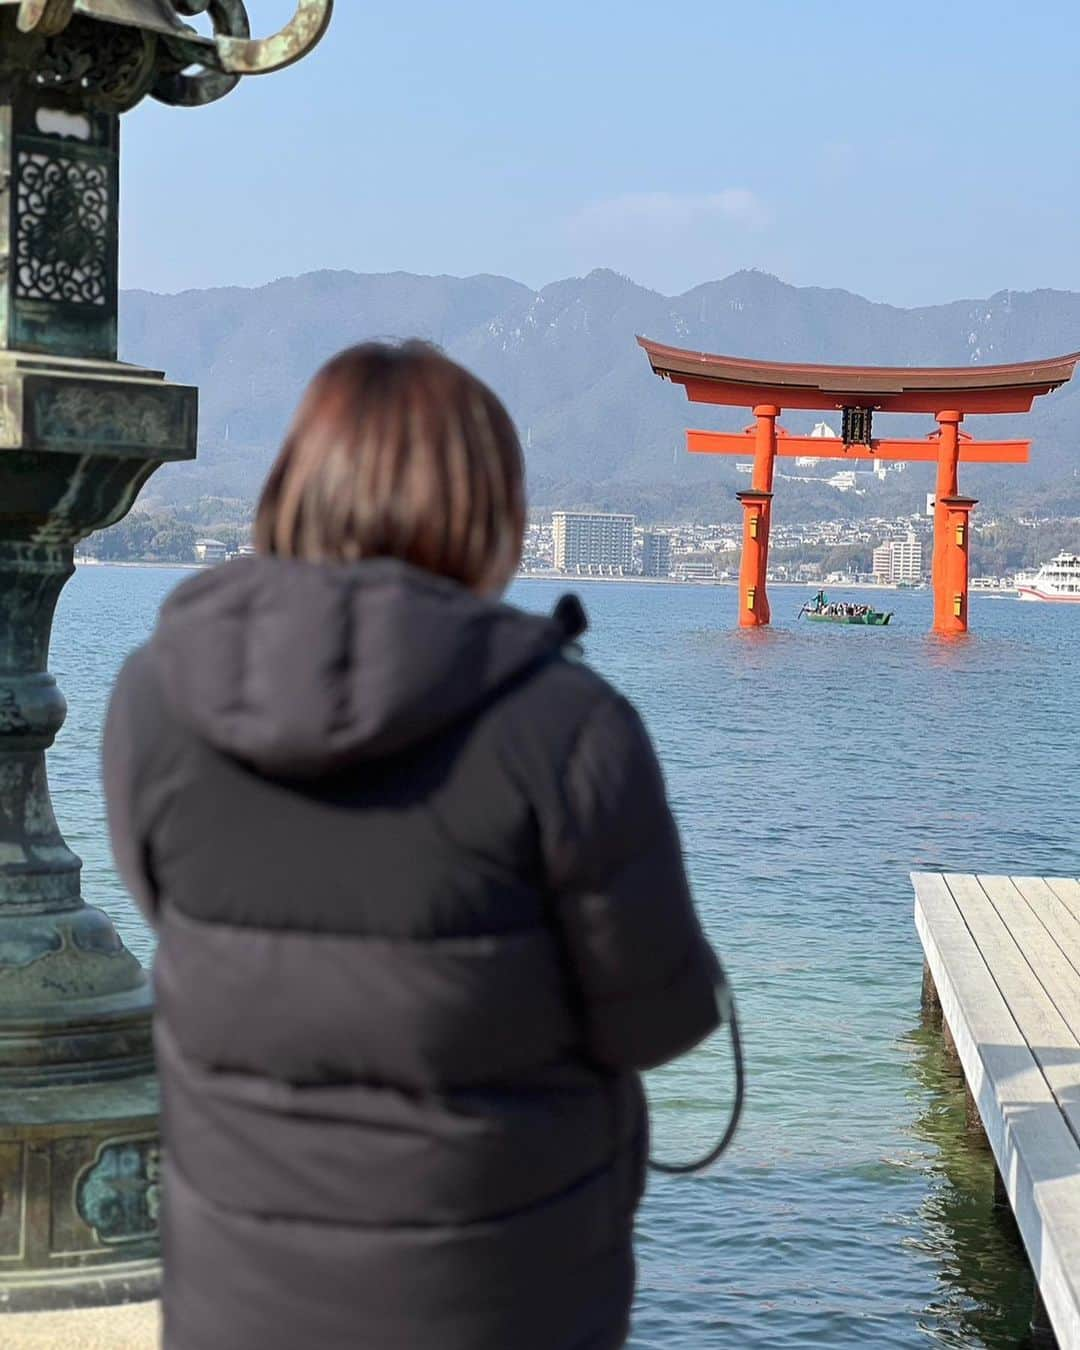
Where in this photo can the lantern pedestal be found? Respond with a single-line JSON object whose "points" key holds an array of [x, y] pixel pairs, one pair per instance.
{"points": [[79, 1169], [79, 1153], [80, 433]]}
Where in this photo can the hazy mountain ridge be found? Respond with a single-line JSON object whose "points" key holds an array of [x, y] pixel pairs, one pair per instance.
{"points": [[565, 360]]}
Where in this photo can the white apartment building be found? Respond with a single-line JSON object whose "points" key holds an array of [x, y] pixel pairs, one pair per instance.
{"points": [[899, 560], [655, 554], [593, 542]]}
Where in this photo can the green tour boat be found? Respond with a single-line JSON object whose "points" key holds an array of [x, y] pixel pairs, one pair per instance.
{"points": [[820, 610]]}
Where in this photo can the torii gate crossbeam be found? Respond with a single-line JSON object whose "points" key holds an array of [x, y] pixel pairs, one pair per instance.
{"points": [[859, 391]]}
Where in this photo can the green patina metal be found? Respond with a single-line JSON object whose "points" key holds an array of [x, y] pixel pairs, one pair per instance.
{"points": [[79, 436], [149, 48], [60, 283], [122, 418]]}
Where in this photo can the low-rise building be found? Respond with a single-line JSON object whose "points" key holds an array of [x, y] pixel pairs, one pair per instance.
{"points": [[694, 569], [210, 550]]}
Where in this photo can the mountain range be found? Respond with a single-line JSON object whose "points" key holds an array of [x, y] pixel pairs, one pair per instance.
{"points": [[593, 418]]}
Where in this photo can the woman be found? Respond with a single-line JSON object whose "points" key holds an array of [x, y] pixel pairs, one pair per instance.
{"points": [[420, 903]]}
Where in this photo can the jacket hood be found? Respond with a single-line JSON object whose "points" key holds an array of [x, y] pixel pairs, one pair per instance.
{"points": [[301, 669]]}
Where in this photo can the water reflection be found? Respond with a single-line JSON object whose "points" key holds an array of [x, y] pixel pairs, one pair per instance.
{"points": [[985, 1284]]}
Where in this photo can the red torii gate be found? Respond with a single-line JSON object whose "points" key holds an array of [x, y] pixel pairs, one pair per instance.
{"points": [[948, 392]]}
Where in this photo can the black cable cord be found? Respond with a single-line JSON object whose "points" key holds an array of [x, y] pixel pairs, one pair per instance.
{"points": [[714, 1154]]}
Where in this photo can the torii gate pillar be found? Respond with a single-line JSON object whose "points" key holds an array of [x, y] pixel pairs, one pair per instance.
{"points": [[757, 518], [949, 573]]}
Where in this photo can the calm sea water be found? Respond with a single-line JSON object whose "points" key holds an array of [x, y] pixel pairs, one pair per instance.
{"points": [[811, 768]]}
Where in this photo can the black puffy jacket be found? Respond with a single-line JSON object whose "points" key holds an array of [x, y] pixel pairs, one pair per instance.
{"points": [[422, 915]]}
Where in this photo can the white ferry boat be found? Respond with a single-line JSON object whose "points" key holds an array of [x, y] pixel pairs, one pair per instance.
{"points": [[1057, 580]]}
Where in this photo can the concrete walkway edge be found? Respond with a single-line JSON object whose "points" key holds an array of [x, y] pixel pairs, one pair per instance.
{"points": [[135, 1327]]}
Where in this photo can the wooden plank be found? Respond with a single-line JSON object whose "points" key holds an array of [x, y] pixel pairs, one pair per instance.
{"points": [[1045, 1030], [1059, 922], [1036, 1153], [1053, 913], [1056, 974], [1067, 890]]}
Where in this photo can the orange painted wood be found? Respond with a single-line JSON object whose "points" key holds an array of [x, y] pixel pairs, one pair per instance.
{"points": [[754, 611], [953, 537], [765, 446], [768, 386], [743, 382], [757, 521], [790, 447], [746, 395], [948, 448]]}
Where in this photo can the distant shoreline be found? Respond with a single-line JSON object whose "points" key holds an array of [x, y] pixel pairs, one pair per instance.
{"points": [[568, 578], [135, 562], [876, 588]]}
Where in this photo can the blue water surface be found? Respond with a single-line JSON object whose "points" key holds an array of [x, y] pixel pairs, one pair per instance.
{"points": [[811, 768]]}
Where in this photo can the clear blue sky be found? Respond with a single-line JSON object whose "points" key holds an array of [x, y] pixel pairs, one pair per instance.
{"points": [[914, 152]]}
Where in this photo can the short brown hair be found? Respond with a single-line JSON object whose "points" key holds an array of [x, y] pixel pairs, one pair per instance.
{"points": [[398, 452]]}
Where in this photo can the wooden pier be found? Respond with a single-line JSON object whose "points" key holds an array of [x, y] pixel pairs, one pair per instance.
{"points": [[1003, 968]]}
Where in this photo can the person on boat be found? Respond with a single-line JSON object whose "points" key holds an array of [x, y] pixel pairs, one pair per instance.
{"points": [[820, 603], [420, 902]]}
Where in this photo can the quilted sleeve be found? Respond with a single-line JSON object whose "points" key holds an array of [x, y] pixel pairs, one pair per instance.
{"points": [[133, 779], [645, 974]]}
